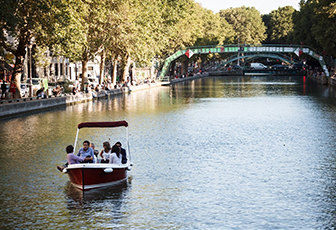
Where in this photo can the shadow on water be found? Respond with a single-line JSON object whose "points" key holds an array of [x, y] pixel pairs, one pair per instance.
{"points": [[77, 199]]}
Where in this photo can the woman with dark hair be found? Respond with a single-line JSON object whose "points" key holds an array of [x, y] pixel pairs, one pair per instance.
{"points": [[115, 157], [106, 152]]}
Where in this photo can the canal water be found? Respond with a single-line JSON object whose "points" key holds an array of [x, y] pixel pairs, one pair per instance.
{"points": [[214, 153]]}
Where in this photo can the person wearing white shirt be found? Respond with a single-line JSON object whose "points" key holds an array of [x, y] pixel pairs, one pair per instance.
{"points": [[115, 157], [106, 152]]}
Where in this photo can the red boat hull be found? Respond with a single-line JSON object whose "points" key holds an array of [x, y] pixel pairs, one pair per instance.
{"points": [[90, 176]]}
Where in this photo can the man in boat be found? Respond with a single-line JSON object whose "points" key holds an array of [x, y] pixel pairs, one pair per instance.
{"points": [[72, 158], [123, 153], [86, 151], [96, 152]]}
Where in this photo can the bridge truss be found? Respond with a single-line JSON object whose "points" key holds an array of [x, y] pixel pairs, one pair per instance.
{"points": [[249, 51]]}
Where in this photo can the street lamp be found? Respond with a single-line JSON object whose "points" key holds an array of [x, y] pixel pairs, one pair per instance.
{"points": [[30, 70], [238, 52]]}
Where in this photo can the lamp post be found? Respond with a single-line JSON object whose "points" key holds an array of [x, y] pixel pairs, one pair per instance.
{"points": [[238, 52], [30, 71]]}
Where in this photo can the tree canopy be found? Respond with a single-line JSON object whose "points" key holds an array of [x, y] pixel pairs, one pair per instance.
{"points": [[281, 25], [314, 25], [144, 30], [247, 24]]}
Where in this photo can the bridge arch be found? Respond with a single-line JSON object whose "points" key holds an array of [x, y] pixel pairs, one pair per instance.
{"points": [[252, 56], [248, 50]]}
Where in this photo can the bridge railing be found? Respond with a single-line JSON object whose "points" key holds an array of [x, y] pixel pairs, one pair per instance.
{"points": [[251, 48]]}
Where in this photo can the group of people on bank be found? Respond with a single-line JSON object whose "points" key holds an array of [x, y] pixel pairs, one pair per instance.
{"points": [[88, 154]]}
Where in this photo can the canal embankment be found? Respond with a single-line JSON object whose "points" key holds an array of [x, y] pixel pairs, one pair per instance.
{"points": [[30, 104]]}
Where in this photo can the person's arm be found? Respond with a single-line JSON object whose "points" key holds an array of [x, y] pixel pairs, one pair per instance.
{"points": [[79, 151], [88, 158], [80, 159], [92, 154], [73, 159]]}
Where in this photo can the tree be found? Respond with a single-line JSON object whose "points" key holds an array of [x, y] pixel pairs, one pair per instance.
{"points": [[281, 25], [247, 24], [266, 18], [324, 27], [214, 29], [303, 22], [182, 23], [315, 25], [20, 22]]}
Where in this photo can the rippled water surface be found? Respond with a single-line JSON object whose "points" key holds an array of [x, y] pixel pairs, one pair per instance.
{"points": [[217, 153]]}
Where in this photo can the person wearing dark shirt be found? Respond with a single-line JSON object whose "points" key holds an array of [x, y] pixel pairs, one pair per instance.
{"points": [[123, 153]]}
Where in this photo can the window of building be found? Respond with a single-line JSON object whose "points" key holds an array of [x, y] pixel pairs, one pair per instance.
{"points": [[56, 69], [61, 68]]}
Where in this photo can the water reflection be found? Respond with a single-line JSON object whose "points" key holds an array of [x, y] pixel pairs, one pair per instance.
{"points": [[236, 86], [97, 208], [79, 199], [235, 152]]}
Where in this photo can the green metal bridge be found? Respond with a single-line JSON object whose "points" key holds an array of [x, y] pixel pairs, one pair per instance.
{"points": [[248, 51]]}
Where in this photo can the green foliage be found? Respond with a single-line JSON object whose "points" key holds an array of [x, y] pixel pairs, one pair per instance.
{"points": [[315, 25], [214, 29], [281, 25], [303, 22], [266, 18], [247, 24], [324, 27], [40, 57], [144, 30]]}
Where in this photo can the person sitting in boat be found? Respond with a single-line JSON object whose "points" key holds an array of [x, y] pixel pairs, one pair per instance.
{"points": [[123, 153], [115, 157], [72, 158], [106, 152], [96, 152], [86, 151]]}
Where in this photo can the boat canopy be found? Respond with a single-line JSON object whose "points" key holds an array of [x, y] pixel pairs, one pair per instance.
{"points": [[102, 124]]}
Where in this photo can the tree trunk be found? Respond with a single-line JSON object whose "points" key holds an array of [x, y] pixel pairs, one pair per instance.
{"points": [[17, 72], [126, 69], [63, 69], [102, 66], [114, 71], [85, 61], [47, 69]]}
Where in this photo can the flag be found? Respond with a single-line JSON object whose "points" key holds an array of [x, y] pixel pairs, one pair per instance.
{"points": [[189, 53], [298, 52]]}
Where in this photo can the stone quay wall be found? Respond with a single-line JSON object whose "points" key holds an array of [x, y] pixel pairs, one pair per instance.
{"points": [[31, 104]]}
